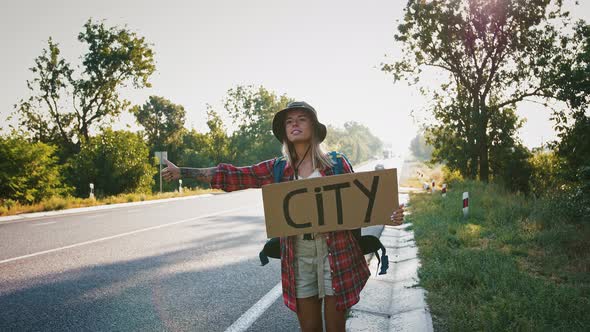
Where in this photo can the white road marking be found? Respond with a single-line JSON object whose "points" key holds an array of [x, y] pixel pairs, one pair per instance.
{"points": [[94, 216], [45, 223], [118, 236], [250, 316]]}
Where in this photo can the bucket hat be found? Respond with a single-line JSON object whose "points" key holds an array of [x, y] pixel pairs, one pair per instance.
{"points": [[278, 123]]}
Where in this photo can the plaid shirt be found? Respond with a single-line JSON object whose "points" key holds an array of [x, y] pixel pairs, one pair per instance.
{"points": [[347, 264]]}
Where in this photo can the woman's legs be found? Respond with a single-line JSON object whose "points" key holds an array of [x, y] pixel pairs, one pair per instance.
{"points": [[335, 320], [309, 313]]}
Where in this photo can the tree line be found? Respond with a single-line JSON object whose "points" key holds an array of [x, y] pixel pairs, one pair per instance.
{"points": [[64, 138], [493, 55]]}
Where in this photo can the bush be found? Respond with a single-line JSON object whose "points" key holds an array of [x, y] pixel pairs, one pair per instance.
{"points": [[512, 169], [451, 176], [544, 172], [55, 203], [29, 171], [116, 162]]}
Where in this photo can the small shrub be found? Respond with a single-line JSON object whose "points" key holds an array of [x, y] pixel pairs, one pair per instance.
{"points": [[55, 203], [451, 176], [9, 203]]}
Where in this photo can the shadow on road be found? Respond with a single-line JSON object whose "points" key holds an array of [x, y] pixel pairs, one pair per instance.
{"points": [[203, 287]]}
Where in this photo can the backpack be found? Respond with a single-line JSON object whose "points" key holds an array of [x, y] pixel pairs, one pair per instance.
{"points": [[368, 243]]}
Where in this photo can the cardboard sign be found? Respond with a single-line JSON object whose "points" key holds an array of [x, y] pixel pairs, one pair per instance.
{"points": [[330, 203]]}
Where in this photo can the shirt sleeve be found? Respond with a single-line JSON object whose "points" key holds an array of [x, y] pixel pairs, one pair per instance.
{"points": [[231, 178]]}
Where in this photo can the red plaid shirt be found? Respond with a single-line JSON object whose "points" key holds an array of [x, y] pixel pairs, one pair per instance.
{"points": [[347, 263]]}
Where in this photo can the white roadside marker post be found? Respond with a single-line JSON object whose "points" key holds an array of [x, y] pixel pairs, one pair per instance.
{"points": [[180, 186], [465, 204], [444, 190], [433, 186]]}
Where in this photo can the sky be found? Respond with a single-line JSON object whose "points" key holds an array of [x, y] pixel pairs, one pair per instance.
{"points": [[327, 53]]}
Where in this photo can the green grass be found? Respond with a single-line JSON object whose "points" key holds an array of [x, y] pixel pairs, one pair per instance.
{"points": [[515, 264]]}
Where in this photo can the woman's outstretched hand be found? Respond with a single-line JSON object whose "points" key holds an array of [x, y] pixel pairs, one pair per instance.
{"points": [[171, 172], [397, 218]]}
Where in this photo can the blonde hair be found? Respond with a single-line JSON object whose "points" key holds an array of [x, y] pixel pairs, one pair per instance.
{"points": [[320, 158]]}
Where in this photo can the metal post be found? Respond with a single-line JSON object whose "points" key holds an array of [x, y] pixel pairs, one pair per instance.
{"points": [[160, 175], [161, 155]]}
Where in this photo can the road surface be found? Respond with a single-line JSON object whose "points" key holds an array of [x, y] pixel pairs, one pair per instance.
{"points": [[186, 265]]}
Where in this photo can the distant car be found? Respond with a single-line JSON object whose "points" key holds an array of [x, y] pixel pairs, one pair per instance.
{"points": [[379, 166]]}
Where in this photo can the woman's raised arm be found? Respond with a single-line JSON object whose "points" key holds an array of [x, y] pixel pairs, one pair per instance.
{"points": [[173, 172], [226, 177]]}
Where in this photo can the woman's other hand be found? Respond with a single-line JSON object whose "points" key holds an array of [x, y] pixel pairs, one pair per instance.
{"points": [[171, 172], [397, 218]]}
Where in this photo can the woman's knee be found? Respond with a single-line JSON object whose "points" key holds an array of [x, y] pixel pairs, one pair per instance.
{"points": [[309, 326], [335, 319], [309, 313], [310, 322]]}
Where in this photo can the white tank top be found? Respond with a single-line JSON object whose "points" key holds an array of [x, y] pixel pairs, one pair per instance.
{"points": [[315, 174]]}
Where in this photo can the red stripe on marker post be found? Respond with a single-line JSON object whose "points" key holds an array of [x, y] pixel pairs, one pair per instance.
{"points": [[465, 204]]}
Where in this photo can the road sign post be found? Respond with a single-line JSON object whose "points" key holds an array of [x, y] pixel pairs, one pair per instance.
{"points": [[161, 155]]}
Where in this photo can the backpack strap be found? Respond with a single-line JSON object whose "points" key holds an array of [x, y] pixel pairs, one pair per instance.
{"points": [[372, 244], [338, 162], [278, 168]]}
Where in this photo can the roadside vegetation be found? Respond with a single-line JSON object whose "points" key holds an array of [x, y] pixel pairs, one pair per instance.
{"points": [[12, 207], [64, 141], [517, 263], [521, 260]]}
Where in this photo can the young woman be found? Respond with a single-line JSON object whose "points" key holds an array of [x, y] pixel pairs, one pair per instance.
{"points": [[315, 268]]}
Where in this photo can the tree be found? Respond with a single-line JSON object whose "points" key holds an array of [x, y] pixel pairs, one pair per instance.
{"points": [[163, 122], [571, 74], [355, 140], [195, 152], [545, 170], [115, 58], [252, 110], [494, 51], [204, 149], [420, 148], [42, 114], [116, 162], [29, 171], [217, 142]]}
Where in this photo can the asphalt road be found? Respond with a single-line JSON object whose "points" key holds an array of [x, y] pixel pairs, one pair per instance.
{"points": [[186, 265]]}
